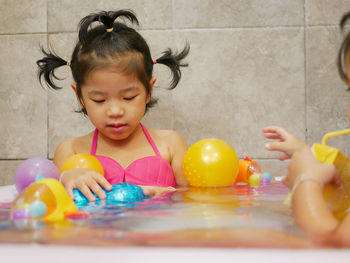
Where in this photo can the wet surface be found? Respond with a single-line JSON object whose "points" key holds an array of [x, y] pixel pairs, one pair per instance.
{"points": [[238, 216]]}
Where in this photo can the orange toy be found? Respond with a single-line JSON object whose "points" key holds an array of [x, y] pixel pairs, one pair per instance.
{"points": [[247, 167]]}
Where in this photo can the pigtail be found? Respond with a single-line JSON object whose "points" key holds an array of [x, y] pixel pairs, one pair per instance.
{"points": [[174, 62], [344, 49], [47, 66], [107, 19]]}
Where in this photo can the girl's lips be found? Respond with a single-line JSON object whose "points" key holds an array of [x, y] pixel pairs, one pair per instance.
{"points": [[116, 127]]}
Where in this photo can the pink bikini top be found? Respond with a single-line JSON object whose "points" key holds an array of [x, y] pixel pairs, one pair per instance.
{"points": [[150, 170]]}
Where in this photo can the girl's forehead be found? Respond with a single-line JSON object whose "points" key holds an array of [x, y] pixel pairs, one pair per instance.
{"points": [[108, 74], [111, 80]]}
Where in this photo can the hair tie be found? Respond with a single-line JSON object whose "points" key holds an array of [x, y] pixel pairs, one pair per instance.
{"points": [[68, 63], [154, 61], [109, 29]]}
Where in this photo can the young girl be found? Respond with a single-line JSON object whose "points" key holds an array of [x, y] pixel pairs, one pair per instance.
{"points": [[112, 68], [307, 176]]}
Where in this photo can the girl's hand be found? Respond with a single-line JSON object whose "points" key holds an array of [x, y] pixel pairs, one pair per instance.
{"points": [[304, 162], [87, 181], [287, 144], [156, 191]]}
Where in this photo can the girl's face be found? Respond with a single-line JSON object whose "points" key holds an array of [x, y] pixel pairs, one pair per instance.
{"points": [[115, 102]]}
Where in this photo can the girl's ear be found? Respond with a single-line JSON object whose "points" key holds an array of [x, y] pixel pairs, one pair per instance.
{"points": [[151, 84], [80, 100]]}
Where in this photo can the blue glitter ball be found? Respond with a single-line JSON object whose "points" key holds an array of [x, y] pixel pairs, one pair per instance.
{"points": [[120, 193]]}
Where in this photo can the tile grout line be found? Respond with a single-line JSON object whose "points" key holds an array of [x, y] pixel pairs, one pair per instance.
{"points": [[188, 29], [171, 93], [305, 78], [47, 93]]}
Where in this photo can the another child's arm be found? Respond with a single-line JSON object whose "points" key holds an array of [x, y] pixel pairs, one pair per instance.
{"points": [[311, 213], [287, 144], [178, 148], [87, 181]]}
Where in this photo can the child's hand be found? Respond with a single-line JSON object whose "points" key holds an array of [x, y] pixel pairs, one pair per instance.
{"points": [[304, 162], [287, 144], [156, 191], [87, 181]]}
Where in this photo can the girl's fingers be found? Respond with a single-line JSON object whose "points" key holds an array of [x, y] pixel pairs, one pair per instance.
{"points": [[272, 136], [69, 190], [284, 157], [156, 190], [103, 182], [98, 190], [85, 190]]}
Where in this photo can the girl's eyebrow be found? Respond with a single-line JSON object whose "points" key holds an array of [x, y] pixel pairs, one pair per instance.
{"points": [[131, 88], [99, 92], [96, 92]]}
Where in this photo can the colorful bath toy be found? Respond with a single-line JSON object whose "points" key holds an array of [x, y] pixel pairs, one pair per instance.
{"points": [[254, 180], [210, 163], [45, 200], [120, 193], [32, 170], [338, 199], [83, 160], [247, 167], [266, 175]]}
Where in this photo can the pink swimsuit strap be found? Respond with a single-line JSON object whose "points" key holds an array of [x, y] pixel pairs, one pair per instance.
{"points": [[148, 136]]}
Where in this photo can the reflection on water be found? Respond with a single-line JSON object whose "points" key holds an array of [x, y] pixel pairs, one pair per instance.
{"points": [[190, 216]]}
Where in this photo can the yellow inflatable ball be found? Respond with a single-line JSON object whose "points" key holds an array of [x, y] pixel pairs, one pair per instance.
{"points": [[83, 160], [210, 163]]}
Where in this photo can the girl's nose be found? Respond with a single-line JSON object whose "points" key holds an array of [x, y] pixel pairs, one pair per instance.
{"points": [[115, 110]]}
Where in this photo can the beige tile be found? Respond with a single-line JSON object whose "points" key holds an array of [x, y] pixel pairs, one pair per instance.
{"points": [[17, 16], [161, 115], [325, 12], [23, 111], [64, 15], [238, 82], [327, 98], [7, 171], [64, 122], [232, 13]]}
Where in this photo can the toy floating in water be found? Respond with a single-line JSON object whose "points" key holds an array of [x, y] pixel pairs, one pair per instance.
{"points": [[83, 160], [210, 163], [338, 199], [32, 170], [120, 193], [43, 200], [250, 173]]}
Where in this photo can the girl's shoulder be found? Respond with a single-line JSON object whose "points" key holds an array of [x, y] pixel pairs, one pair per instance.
{"points": [[169, 137], [77, 144]]}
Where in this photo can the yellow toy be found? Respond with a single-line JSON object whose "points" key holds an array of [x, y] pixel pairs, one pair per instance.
{"points": [[45, 200], [210, 163], [338, 199], [83, 160]]}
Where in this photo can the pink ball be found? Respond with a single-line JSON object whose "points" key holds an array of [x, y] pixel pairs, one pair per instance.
{"points": [[28, 171]]}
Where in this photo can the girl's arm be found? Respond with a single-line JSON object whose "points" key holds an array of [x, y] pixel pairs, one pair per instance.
{"points": [[87, 181], [309, 207], [178, 148]]}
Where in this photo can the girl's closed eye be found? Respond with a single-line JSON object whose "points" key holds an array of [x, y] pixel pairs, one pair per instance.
{"points": [[98, 101], [130, 97]]}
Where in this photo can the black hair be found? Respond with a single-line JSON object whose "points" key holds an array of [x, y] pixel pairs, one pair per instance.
{"points": [[110, 43], [344, 50]]}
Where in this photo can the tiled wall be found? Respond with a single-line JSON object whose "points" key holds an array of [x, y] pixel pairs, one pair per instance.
{"points": [[252, 63]]}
